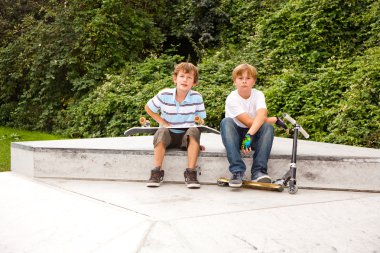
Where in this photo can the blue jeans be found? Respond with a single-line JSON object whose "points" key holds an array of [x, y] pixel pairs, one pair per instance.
{"points": [[232, 137]]}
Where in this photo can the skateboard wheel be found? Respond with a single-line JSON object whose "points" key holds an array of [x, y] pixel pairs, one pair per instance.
{"points": [[142, 121], [198, 120], [221, 183]]}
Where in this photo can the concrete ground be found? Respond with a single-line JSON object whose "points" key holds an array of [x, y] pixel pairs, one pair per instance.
{"points": [[59, 215]]}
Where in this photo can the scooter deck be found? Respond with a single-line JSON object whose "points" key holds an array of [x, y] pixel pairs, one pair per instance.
{"points": [[223, 181], [152, 130]]}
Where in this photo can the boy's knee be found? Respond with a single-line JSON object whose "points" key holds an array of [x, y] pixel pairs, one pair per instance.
{"points": [[193, 131], [267, 129], [194, 134], [162, 135], [226, 122]]}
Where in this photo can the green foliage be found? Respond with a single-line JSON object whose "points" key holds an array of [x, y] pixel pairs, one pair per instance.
{"points": [[87, 68], [119, 103], [340, 103], [244, 17], [11, 15], [215, 85], [306, 34], [65, 51], [358, 119], [194, 26]]}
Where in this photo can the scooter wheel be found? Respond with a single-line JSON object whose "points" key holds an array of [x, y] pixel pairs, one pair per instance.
{"points": [[293, 189]]}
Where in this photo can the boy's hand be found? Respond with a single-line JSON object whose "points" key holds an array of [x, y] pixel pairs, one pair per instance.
{"points": [[246, 144], [166, 124]]}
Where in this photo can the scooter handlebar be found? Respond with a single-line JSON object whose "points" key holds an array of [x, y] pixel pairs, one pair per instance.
{"points": [[290, 119], [293, 122], [304, 133]]}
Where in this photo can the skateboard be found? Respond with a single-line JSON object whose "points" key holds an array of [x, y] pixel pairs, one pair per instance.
{"points": [[147, 129], [223, 181]]}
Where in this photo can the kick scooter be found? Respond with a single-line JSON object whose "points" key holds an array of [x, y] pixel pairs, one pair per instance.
{"points": [[290, 176]]}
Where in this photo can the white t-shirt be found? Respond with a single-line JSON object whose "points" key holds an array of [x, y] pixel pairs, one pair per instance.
{"points": [[236, 105]]}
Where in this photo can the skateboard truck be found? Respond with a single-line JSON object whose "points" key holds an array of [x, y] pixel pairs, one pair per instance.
{"points": [[290, 176]]}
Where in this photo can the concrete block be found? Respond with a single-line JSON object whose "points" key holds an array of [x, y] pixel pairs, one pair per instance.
{"points": [[319, 165]]}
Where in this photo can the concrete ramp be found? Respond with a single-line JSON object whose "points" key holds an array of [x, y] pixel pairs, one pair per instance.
{"points": [[319, 165]]}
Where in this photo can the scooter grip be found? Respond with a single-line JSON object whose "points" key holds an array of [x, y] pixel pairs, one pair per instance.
{"points": [[290, 119], [304, 133]]}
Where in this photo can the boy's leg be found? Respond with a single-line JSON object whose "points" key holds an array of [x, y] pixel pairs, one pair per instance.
{"points": [[159, 154], [191, 143], [192, 152], [191, 140], [262, 145], [160, 141], [232, 136]]}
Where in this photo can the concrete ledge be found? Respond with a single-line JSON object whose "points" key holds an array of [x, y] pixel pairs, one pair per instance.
{"points": [[319, 165]]}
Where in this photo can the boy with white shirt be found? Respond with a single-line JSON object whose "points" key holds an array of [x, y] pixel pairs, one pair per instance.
{"points": [[245, 127]]}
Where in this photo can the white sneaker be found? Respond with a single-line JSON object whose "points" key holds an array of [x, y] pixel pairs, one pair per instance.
{"points": [[263, 179]]}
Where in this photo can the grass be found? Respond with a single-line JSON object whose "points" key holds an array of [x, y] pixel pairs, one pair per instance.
{"points": [[8, 135]]}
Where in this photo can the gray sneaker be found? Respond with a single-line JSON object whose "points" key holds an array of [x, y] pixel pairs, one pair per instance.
{"points": [[236, 180], [156, 177], [262, 178], [191, 179]]}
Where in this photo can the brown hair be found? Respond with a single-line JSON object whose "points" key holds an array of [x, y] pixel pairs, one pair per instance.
{"points": [[239, 70], [186, 67]]}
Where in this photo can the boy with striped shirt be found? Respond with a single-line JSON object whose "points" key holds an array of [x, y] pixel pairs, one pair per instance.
{"points": [[177, 107]]}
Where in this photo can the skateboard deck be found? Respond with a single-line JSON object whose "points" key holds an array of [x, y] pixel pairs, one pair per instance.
{"points": [[253, 185], [152, 130], [147, 129]]}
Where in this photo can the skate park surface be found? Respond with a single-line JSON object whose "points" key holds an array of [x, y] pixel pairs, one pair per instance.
{"points": [[43, 209]]}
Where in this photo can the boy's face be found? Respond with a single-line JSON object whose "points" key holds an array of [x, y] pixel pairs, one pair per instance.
{"points": [[184, 81], [244, 82]]}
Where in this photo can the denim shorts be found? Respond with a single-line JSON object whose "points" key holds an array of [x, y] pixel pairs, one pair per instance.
{"points": [[174, 140]]}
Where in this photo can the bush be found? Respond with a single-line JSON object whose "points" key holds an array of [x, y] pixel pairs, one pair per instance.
{"points": [[119, 103]]}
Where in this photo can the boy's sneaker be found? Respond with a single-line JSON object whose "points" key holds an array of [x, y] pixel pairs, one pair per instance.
{"points": [[191, 179], [236, 180], [262, 178], [156, 177]]}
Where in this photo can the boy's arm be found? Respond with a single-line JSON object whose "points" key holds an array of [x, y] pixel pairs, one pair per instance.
{"points": [[253, 124], [156, 117], [200, 109], [258, 121]]}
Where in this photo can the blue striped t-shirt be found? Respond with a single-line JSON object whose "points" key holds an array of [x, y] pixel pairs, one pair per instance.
{"points": [[178, 114]]}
